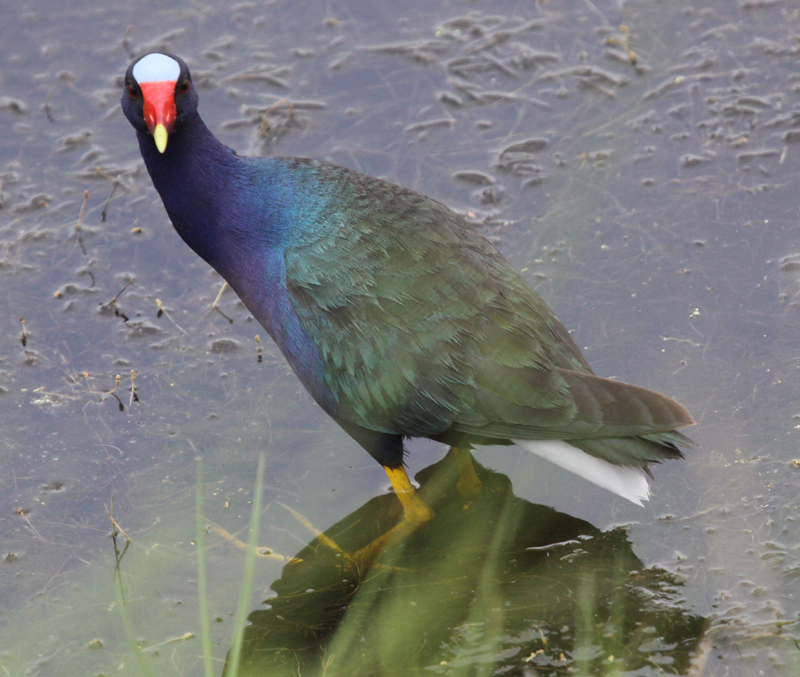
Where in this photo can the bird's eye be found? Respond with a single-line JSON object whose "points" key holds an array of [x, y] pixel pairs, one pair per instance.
{"points": [[133, 91], [184, 87]]}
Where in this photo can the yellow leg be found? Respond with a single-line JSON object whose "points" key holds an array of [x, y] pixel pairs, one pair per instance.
{"points": [[416, 511], [416, 514], [468, 482]]}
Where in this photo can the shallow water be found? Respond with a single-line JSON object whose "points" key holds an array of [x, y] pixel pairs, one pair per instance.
{"points": [[653, 204]]}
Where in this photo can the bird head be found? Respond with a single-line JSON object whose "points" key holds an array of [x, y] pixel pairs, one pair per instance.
{"points": [[158, 95]]}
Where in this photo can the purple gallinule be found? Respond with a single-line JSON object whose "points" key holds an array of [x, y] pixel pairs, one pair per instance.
{"points": [[398, 318]]}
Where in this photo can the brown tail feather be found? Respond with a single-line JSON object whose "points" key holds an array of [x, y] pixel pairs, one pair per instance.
{"points": [[601, 401]]}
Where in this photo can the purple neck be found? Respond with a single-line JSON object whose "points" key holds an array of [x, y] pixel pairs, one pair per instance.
{"points": [[195, 178]]}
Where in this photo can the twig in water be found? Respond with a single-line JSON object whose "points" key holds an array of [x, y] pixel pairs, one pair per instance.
{"points": [[265, 127], [47, 111], [214, 305], [113, 302], [104, 213], [163, 311], [134, 396], [80, 220], [113, 392], [117, 527]]}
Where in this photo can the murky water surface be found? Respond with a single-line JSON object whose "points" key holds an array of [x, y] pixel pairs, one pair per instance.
{"points": [[638, 161]]}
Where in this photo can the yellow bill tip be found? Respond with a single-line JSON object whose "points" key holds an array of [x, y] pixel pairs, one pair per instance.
{"points": [[160, 137]]}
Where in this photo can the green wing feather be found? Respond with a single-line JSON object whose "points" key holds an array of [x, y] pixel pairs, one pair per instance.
{"points": [[424, 327]]}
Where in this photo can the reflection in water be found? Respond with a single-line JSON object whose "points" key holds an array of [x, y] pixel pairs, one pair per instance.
{"points": [[493, 585]]}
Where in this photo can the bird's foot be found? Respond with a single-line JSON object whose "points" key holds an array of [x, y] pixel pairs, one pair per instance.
{"points": [[416, 513]]}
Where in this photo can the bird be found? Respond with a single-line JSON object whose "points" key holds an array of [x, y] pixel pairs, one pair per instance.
{"points": [[398, 317]]}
